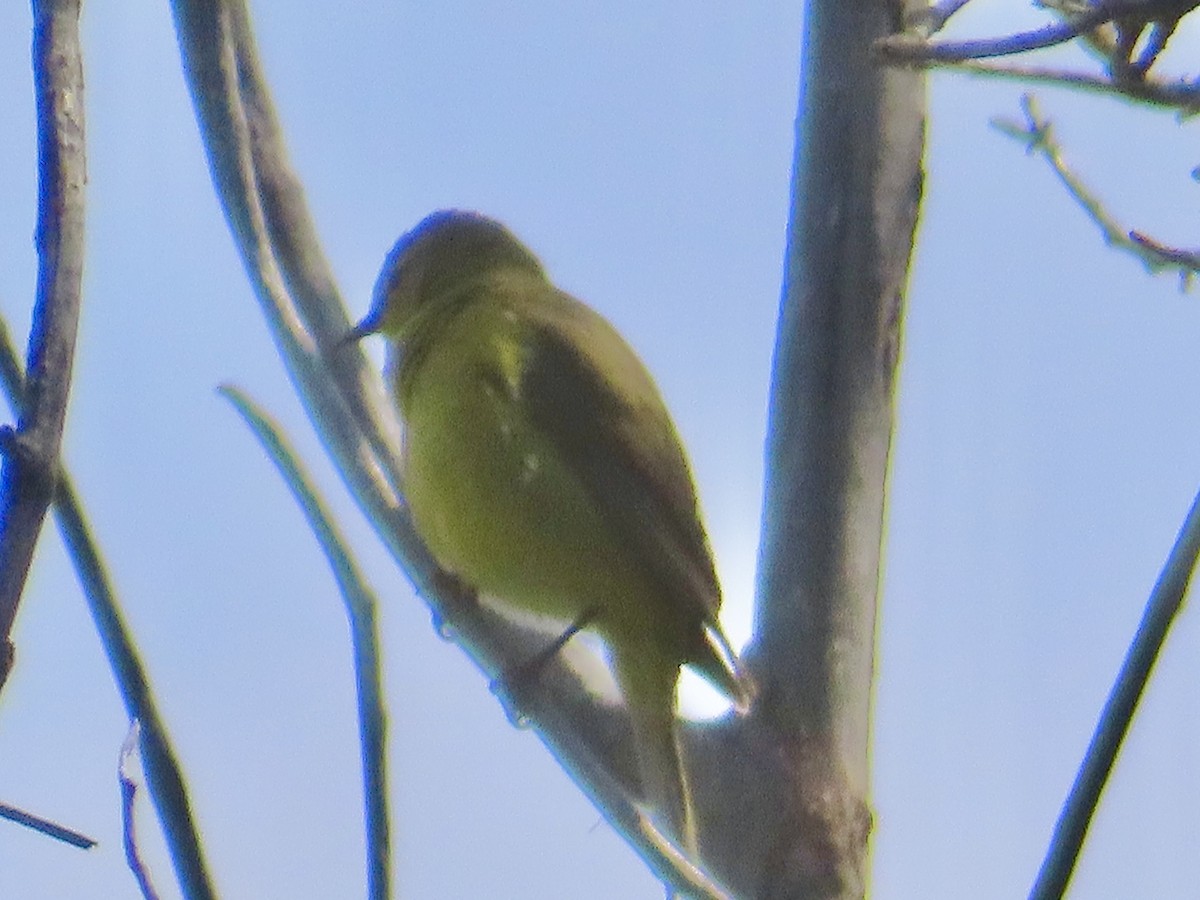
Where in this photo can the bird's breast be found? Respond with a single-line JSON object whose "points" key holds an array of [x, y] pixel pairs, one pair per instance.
{"points": [[491, 495]]}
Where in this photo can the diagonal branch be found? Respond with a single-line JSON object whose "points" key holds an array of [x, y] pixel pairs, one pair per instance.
{"points": [[1164, 605], [1130, 16], [163, 773], [1037, 134], [910, 47], [361, 609], [1182, 95], [46, 827]]}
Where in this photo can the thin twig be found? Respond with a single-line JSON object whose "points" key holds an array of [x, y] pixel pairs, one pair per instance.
{"points": [[32, 449], [1183, 96], [45, 826], [1164, 605], [1110, 30], [912, 47], [361, 608], [1187, 260], [163, 774], [1100, 42], [133, 856], [907, 47], [1037, 134]]}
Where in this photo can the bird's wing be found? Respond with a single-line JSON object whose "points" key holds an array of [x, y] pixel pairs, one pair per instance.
{"points": [[584, 387]]}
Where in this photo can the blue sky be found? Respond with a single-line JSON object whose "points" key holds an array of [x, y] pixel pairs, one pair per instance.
{"points": [[1046, 451]]}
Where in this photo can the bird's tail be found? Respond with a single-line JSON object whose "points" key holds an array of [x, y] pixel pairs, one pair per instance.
{"points": [[648, 682], [719, 664]]}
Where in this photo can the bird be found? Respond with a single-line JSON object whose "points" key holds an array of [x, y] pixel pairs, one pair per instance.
{"points": [[542, 468]]}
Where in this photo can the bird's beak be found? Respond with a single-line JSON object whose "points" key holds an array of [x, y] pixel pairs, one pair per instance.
{"points": [[368, 326]]}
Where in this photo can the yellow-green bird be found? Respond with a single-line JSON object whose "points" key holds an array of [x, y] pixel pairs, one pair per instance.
{"points": [[541, 467]]}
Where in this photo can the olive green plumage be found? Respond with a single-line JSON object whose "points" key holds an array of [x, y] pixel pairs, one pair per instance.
{"points": [[542, 468]]}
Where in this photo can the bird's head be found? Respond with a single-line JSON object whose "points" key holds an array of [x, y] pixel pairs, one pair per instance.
{"points": [[449, 248]]}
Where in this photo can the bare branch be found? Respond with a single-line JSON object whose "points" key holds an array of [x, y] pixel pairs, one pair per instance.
{"points": [[46, 827], [914, 47], [1037, 134], [1187, 260], [162, 770], [1112, 30], [1166, 600], [856, 190], [133, 856], [32, 449], [361, 605], [1180, 95]]}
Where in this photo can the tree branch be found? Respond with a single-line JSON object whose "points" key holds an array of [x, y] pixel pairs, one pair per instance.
{"points": [[1182, 95], [1037, 134], [46, 827], [1166, 600], [361, 606], [32, 449], [910, 47], [163, 773], [856, 189]]}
